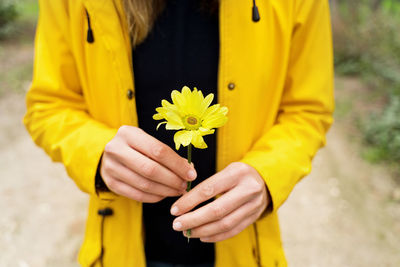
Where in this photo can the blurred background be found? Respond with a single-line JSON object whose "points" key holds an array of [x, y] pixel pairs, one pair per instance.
{"points": [[346, 213]]}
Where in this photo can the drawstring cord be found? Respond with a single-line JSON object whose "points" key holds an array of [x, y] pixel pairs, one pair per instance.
{"points": [[89, 37], [103, 213], [256, 14]]}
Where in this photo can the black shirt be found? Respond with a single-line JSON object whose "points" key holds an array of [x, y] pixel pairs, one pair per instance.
{"points": [[182, 49]]}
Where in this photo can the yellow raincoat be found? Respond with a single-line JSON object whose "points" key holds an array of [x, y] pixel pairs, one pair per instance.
{"points": [[275, 76]]}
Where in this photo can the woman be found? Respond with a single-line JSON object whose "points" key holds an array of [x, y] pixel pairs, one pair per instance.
{"points": [[269, 62]]}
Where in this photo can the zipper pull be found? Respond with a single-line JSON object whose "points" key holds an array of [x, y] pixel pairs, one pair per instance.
{"points": [[256, 15], [90, 36]]}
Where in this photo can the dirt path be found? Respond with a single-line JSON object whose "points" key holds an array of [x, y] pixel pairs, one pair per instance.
{"points": [[343, 214], [42, 211]]}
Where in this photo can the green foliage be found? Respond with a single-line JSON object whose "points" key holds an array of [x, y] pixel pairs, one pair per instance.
{"points": [[8, 14], [367, 43], [28, 10], [383, 133], [366, 40]]}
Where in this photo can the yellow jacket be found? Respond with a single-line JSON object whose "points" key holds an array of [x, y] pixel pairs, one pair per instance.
{"points": [[275, 76]]}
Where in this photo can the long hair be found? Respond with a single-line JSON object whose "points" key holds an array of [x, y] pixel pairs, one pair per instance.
{"points": [[141, 15]]}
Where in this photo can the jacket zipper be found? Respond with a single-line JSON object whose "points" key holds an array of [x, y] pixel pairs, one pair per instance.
{"points": [[257, 248]]}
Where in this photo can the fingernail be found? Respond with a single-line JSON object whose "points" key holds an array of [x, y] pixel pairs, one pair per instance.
{"points": [[184, 185], [177, 226], [192, 175], [174, 210], [204, 239]]}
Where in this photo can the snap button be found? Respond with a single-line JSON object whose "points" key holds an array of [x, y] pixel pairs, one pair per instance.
{"points": [[231, 86], [129, 94]]}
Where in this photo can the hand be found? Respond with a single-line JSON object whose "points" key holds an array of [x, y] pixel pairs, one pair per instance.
{"points": [[138, 166], [244, 198]]}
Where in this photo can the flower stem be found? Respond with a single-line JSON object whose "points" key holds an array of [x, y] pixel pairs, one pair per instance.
{"points": [[189, 185]]}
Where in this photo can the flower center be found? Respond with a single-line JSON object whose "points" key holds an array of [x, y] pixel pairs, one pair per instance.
{"points": [[191, 122]]}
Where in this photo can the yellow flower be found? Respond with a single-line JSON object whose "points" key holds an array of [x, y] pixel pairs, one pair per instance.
{"points": [[192, 115]]}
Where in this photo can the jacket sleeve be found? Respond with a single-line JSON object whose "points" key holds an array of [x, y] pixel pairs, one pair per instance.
{"points": [[284, 153], [57, 116]]}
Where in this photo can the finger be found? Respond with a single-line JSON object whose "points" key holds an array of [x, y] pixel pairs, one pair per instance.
{"points": [[125, 190], [216, 184], [131, 178], [215, 210], [226, 223], [148, 168], [160, 152], [236, 230]]}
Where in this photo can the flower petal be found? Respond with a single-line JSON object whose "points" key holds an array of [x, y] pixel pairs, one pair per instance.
{"points": [[171, 126], [158, 116], [205, 103], [166, 104], [204, 131], [224, 110], [176, 98], [215, 117], [161, 123], [173, 118], [211, 110], [198, 141], [196, 102], [215, 121], [180, 102], [182, 138], [186, 91]]}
